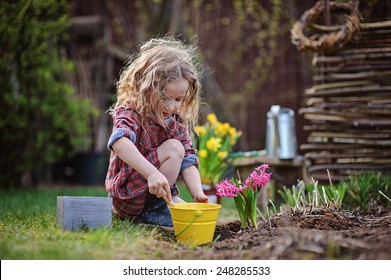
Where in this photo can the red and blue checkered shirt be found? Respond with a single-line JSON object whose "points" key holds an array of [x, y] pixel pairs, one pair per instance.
{"points": [[126, 186]]}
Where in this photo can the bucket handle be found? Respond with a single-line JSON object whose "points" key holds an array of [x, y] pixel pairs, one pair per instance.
{"points": [[197, 214]]}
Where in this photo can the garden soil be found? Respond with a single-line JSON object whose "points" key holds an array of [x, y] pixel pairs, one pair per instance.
{"points": [[318, 234]]}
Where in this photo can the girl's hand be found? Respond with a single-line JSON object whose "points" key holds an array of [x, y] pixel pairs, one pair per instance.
{"points": [[201, 197], [158, 185]]}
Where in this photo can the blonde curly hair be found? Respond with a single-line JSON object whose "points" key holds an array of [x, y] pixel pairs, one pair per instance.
{"points": [[142, 82]]}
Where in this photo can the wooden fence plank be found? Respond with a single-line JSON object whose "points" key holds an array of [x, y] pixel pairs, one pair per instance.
{"points": [[348, 108]]}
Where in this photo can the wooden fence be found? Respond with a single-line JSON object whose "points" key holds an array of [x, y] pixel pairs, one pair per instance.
{"points": [[348, 108]]}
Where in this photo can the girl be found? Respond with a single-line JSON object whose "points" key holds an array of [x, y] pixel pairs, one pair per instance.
{"points": [[157, 103]]}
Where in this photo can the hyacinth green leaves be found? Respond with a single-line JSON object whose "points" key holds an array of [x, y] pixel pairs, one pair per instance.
{"points": [[245, 195]]}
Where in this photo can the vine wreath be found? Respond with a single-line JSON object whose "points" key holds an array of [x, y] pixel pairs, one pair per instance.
{"points": [[329, 41]]}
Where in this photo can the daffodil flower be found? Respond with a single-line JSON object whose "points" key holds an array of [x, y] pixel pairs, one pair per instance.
{"points": [[222, 155], [221, 129], [214, 143], [232, 131], [212, 118], [200, 130], [203, 153]]}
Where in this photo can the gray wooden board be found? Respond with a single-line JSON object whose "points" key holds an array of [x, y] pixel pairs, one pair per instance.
{"points": [[75, 212]]}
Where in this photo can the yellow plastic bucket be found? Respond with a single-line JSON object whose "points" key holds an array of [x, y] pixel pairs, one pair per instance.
{"points": [[194, 223]]}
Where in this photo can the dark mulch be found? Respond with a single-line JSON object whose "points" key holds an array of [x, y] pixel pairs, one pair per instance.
{"points": [[320, 234]]}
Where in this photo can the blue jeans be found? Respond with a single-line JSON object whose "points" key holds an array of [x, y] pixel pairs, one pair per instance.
{"points": [[156, 212]]}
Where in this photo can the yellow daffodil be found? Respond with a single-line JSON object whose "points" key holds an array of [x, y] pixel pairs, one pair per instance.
{"points": [[212, 118], [203, 153], [213, 144], [234, 137], [222, 155], [232, 131], [206, 180], [200, 130], [221, 129]]}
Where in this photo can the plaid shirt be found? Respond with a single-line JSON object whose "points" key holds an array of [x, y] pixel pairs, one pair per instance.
{"points": [[127, 187]]}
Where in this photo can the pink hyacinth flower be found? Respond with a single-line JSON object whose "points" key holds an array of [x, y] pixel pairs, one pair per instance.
{"points": [[259, 177], [226, 189]]}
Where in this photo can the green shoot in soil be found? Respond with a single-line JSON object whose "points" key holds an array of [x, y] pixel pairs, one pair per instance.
{"points": [[362, 192]]}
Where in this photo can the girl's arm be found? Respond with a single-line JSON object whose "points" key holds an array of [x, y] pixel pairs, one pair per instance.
{"points": [[128, 152], [192, 179]]}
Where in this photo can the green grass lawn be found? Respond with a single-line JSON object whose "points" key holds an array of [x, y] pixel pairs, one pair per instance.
{"points": [[28, 224], [28, 229]]}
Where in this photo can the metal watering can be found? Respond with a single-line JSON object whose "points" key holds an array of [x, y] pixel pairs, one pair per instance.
{"points": [[281, 133]]}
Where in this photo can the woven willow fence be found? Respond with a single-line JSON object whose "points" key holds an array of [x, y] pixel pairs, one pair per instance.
{"points": [[349, 106]]}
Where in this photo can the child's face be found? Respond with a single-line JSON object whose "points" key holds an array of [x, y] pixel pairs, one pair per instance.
{"points": [[175, 92]]}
